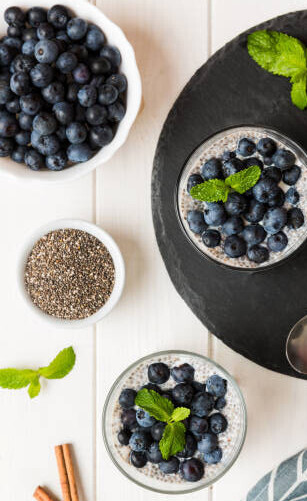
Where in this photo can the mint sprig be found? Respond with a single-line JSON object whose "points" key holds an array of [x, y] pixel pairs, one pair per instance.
{"points": [[282, 55], [21, 378], [173, 439], [215, 190]]}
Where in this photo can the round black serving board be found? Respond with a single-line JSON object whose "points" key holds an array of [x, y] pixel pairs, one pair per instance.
{"points": [[251, 312]]}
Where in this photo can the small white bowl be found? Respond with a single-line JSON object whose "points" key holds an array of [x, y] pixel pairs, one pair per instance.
{"points": [[112, 247], [115, 36]]}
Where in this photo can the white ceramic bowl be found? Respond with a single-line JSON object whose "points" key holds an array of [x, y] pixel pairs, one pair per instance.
{"points": [[115, 36], [112, 247]]}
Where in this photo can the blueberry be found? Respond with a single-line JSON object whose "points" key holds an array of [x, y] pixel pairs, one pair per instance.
{"points": [[140, 441], [66, 62], [124, 436], [236, 204], [295, 218], [76, 28], [36, 16], [94, 38], [215, 214], [45, 31], [46, 51], [61, 133], [64, 112], [213, 457], [48, 145], [278, 200], [275, 219], [183, 393], [20, 83], [220, 403], [291, 176], [158, 373], [202, 404], [6, 146], [6, 54], [212, 169], [22, 63], [116, 111], [13, 42], [192, 470], [283, 159], [217, 423], [144, 419], [208, 443], [80, 51], [72, 92], [267, 160], [81, 73], [250, 162], [278, 242], [41, 75], [292, 196], [154, 454], [246, 147], [138, 459], [96, 114], [258, 254], [45, 123], [54, 92], [63, 37], [100, 66], [34, 159], [87, 96], [198, 426], [211, 238], [112, 54], [14, 31], [8, 124], [58, 16], [29, 34], [232, 166], [198, 386], [25, 121], [101, 135], [227, 155], [128, 418], [255, 211], [56, 162], [79, 113], [216, 386], [272, 172], [30, 103], [170, 465], [233, 225], [189, 448], [76, 133], [157, 430], [194, 180], [79, 152], [183, 373], [254, 234], [18, 154], [152, 386], [97, 81], [266, 147], [6, 94], [23, 137], [119, 81], [14, 16], [265, 190]]}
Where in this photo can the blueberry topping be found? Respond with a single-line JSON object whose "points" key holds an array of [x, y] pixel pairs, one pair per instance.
{"points": [[211, 238], [157, 430], [212, 169], [127, 398], [189, 448], [246, 147], [196, 221], [158, 373], [202, 404], [124, 436], [217, 423], [216, 386], [258, 254], [138, 459], [254, 234], [283, 159], [292, 196], [233, 225], [295, 218], [154, 454], [220, 403], [183, 373], [183, 393], [192, 470], [236, 204], [232, 166], [170, 466], [278, 242], [213, 457], [234, 246], [215, 214], [140, 441], [292, 175], [208, 443], [275, 219], [255, 211], [266, 147], [144, 419]]}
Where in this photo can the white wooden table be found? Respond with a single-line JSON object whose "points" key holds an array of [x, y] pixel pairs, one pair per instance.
{"points": [[172, 38]]}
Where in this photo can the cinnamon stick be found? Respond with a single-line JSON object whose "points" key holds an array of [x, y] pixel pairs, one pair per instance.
{"points": [[41, 495], [70, 473], [62, 472]]}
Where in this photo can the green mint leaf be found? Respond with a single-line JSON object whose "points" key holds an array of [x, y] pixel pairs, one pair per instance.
{"points": [[213, 190], [157, 406], [180, 413], [244, 179], [14, 379], [173, 440], [60, 366], [34, 387], [298, 93], [277, 53]]}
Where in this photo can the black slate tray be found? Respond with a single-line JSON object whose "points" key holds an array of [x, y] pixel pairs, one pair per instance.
{"points": [[251, 312]]}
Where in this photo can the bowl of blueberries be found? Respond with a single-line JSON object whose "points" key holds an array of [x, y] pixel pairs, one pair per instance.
{"points": [[70, 89]]}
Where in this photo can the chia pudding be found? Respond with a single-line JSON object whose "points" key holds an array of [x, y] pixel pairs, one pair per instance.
{"points": [[226, 142], [150, 475]]}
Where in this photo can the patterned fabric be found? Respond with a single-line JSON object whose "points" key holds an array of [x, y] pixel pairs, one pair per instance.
{"points": [[287, 482]]}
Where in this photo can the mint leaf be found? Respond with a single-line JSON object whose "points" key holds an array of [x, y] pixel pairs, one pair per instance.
{"points": [[180, 413], [60, 366], [213, 190], [157, 406], [173, 440], [15, 379], [244, 179], [298, 93], [34, 387]]}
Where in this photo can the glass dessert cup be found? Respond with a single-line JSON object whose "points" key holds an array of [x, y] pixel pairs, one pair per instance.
{"points": [[231, 441], [214, 147]]}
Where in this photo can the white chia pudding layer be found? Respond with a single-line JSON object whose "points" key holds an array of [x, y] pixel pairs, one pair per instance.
{"points": [[230, 441], [214, 148]]}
